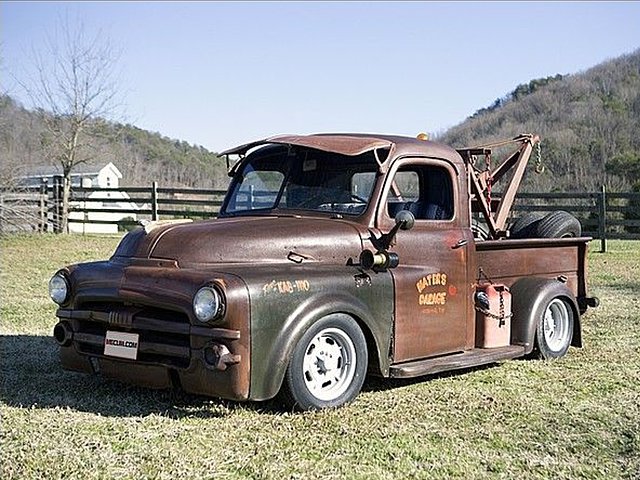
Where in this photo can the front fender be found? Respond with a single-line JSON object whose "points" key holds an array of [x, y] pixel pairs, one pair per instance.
{"points": [[279, 320], [530, 296]]}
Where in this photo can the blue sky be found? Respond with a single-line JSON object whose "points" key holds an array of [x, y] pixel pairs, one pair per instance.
{"points": [[219, 74]]}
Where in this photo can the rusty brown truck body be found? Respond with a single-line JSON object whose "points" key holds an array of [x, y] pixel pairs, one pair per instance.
{"points": [[333, 257]]}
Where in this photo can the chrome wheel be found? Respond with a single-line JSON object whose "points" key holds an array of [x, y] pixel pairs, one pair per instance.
{"points": [[329, 364], [557, 325]]}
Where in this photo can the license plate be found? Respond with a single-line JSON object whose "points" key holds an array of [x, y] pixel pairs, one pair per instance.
{"points": [[121, 344]]}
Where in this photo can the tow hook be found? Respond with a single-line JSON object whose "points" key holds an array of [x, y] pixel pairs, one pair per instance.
{"points": [[219, 357], [63, 334], [584, 302]]}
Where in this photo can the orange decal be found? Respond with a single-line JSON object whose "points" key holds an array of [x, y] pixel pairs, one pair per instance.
{"points": [[431, 280], [286, 286], [437, 298], [431, 292]]}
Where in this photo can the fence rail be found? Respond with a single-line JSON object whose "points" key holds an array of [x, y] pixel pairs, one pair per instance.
{"points": [[603, 215]]}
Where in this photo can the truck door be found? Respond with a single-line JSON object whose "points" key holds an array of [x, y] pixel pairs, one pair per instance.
{"points": [[431, 281]]}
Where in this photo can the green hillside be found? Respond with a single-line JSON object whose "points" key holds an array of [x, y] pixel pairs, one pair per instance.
{"points": [[142, 156], [589, 124]]}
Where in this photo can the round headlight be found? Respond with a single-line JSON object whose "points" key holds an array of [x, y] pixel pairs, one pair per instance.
{"points": [[59, 289], [207, 304]]}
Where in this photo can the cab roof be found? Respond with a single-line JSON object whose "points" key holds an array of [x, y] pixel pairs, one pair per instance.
{"points": [[353, 144]]}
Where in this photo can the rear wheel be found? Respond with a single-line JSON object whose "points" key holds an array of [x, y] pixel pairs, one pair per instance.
{"points": [[328, 365], [554, 331]]}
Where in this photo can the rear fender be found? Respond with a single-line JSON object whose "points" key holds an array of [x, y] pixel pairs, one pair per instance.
{"points": [[530, 296]]}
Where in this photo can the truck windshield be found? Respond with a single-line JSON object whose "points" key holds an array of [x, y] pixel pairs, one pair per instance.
{"points": [[278, 178]]}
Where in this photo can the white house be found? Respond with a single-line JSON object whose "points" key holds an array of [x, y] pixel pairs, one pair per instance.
{"points": [[91, 176]]}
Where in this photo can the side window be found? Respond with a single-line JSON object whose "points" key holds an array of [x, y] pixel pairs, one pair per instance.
{"points": [[362, 184], [424, 190]]}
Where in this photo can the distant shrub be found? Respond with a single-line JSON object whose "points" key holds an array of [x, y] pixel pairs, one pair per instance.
{"points": [[127, 224]]}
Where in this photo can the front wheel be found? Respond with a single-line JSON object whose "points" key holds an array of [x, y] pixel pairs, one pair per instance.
{"points": [[328, 365], [554, 330]]}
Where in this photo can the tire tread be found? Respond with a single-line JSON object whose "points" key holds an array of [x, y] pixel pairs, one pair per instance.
{"points": [[559, 224]]}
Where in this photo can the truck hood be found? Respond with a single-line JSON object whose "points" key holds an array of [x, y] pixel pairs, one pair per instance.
{"points": [[249, 240]]}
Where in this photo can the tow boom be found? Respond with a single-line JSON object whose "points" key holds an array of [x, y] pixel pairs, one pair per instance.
{"points": [[482, 181]]}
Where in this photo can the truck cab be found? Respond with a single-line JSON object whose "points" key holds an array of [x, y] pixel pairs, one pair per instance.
{"points": [[333, 257]]}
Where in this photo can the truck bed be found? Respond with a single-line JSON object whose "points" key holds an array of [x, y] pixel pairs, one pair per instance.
{"points": [[505, 261]]}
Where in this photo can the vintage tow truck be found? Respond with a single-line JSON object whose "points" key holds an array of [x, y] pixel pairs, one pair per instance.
{"points": [[334, 256]]}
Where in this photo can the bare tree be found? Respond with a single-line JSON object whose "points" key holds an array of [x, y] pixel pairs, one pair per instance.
{"points": [[74, 87]]}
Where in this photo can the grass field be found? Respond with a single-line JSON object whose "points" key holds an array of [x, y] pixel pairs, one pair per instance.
{"points": [[578, 417]]}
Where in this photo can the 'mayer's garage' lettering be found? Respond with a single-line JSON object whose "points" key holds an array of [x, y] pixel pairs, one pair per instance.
{"points": [[437, 298], [437, 279]]}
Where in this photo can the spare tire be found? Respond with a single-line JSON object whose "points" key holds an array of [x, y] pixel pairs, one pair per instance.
{"points": [[480, 230], [558, 224], [525, 226]]}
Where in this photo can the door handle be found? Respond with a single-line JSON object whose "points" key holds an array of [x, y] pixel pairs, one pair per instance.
{"points": [[461, 243]]}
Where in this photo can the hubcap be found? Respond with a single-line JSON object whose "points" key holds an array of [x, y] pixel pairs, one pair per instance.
{"points": [[329, 364], [556, 325]]}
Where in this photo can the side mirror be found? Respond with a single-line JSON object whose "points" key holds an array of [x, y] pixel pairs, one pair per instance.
{"points": [[405, 219]]}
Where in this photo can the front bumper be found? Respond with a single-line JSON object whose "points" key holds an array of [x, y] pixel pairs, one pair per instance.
{"points": [[171, 344], [197, 359]]}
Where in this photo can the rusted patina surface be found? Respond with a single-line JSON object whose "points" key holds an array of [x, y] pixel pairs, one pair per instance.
{"points": [[311, 230], [343, 144], [153, 298]]}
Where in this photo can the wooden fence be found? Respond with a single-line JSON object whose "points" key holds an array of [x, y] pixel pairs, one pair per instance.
{"points": [[147, 203], [40, 208], [602, 215]]}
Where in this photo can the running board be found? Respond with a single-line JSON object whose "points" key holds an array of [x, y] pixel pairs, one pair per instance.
{"points": [[470, 358]]}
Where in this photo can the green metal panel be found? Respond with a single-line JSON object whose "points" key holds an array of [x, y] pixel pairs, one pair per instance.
{"points": [[286, 300]]}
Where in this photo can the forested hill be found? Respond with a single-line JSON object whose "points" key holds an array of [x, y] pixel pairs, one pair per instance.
{"points": [[589, 124], [141, 156]]}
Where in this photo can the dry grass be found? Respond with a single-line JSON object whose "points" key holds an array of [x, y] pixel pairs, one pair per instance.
{"points": [[573, 418]]}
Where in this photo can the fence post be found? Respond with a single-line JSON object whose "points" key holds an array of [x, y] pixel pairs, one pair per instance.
{"points": [[57, 203], [602, 218], [54, 198], [154, 201], [43, 203]]}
